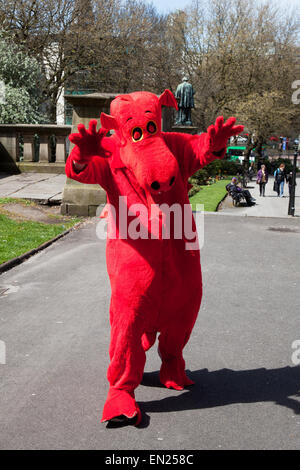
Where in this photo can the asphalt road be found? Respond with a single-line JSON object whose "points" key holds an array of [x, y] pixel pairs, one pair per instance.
{"points": [[54, 323]]}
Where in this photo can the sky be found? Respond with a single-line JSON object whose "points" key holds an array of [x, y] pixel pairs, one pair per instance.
{"points": [[165, 6]]}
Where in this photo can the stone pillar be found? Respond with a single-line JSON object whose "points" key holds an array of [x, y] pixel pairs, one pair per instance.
{"points": [[44, 154], [9, 142], [78, 198], [28, 152], [60, 148], [87, 107]]}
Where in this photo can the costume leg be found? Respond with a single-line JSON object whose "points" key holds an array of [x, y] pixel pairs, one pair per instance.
{"points": [[127, 364], [171, 343], [148, 339], [132, 305]]}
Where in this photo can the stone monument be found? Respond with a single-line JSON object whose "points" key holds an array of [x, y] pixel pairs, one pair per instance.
{"points": [[185, 97], [78, 198]]}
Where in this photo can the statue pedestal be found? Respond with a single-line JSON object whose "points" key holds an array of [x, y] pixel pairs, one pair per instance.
{"points": [[78, 198], [185, 129], [82, 199]]}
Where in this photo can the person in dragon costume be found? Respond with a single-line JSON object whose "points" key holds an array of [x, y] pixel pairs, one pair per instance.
{"points": [[156, 283]]}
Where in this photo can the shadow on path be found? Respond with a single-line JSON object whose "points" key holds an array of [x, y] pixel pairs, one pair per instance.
{"points": [[7, 163], [225, 387]]}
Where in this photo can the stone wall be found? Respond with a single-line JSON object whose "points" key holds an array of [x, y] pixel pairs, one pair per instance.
{"points": [[33, 147]]}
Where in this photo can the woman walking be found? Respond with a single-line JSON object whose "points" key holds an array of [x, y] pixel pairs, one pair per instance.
{"points": [[262, 179]]}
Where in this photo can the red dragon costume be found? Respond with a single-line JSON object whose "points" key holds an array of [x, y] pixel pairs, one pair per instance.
{"points": [[156, 284]]}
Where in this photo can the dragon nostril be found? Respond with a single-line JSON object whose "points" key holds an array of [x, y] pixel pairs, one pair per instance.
{"points": [[155, 185], [172, 180]]}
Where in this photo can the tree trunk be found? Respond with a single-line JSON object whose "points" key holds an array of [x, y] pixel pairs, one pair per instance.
{"points": [[259, 151], [52, 111], [250, 145]]}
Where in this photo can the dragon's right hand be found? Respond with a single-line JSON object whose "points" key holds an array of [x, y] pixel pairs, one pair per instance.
{"points": [[88, 142]]}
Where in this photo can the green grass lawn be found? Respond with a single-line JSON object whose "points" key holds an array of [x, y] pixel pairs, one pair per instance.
{"points": [[18, 237], [210, 195]]}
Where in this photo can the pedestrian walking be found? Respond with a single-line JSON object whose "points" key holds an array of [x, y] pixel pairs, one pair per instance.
{"points": [[262, 179], [251, 171], [280, 176]]}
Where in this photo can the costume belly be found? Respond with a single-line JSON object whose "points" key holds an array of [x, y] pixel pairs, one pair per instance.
{"points": [[154, 278]]}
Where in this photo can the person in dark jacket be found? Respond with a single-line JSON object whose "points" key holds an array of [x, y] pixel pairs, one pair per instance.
{"points": [[289, 180], [262, 179], [251, 171], [233, 188], [280, 176]]}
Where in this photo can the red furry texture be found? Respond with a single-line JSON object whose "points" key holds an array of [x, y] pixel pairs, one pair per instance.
{"points": [[156, 284]]}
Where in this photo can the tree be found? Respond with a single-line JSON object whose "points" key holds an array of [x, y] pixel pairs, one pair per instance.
{"points": [[127, 54], [20, 75], [241, 58], [265, 114], [234, 48], [109, 44], [230, 49], [57, 33]]}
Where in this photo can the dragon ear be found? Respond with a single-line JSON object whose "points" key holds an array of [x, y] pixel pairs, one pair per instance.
{"points": [[168, 99], [108, 122]]}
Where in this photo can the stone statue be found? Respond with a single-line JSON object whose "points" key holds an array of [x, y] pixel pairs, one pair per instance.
{"points": [[185, 98]]}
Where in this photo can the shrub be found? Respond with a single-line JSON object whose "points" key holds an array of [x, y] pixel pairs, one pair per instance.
{"points": [[217, 168], [273, 165]]}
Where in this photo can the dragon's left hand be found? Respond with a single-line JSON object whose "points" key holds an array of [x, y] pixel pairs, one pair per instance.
{"points": [[219, 133]]}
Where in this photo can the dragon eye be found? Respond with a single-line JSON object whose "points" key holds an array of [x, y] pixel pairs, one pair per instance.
{"points": [[151, 127], [137, 134]]}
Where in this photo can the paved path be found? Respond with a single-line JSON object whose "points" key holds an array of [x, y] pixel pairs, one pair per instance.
{"points": [[54, 322], [269, 206], [46, 187], [42, 187]]}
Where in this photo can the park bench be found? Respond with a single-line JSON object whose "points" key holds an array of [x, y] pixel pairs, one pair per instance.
{"points": [[237, 197]]}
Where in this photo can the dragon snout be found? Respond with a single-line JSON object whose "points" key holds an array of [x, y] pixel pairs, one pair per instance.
{"points": [[156, 168], [159, 186]]}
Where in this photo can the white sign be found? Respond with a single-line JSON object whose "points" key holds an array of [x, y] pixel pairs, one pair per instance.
{"points": [[296, 94]]}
